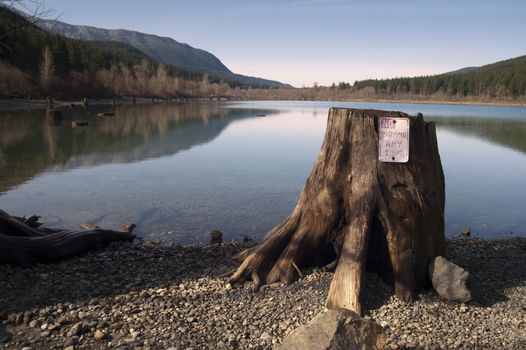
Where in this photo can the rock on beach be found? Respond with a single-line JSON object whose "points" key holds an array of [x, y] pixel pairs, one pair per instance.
{"points": [[449, 280]]}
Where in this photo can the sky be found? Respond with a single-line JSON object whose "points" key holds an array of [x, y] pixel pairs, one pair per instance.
{"points": [[301, 42]]}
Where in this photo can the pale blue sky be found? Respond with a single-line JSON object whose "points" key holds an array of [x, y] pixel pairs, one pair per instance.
{"points": [[303, 41]]}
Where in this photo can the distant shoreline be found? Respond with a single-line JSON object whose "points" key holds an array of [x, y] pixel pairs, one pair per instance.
{"points": [[445, 102], [14, 103], [7, 104]]}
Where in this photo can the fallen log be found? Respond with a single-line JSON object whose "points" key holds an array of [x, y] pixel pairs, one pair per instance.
{"points": [[77, 123], [21, 244], [105, 114]]}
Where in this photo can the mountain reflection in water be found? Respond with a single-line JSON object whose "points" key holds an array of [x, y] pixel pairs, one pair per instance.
{"points": [[30, 144]]}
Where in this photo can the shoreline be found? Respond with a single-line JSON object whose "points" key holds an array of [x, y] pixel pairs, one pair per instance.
{"points": [[446, 102], [156, 295], [14, 104]]}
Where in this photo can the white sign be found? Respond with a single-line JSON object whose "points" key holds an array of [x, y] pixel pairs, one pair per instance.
{"points": [[393, 145]]}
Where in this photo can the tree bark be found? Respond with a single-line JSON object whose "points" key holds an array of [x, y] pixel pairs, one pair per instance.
{"points": [[361, 211], [21, 244]]}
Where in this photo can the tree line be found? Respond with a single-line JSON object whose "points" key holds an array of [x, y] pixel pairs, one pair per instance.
{"points": [[505, 79]]}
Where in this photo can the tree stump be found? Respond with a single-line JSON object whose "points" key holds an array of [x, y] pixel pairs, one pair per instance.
{"points": [[361, 212]]}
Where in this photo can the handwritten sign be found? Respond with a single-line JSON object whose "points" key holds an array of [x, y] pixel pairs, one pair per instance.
{"points": [[393, 146]]}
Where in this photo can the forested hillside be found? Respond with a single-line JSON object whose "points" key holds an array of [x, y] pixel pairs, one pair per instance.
{"points": [[504, 79], [38, 63], [161, 49]]}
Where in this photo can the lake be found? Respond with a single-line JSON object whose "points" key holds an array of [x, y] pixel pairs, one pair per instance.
{"points": [[181, 170]]}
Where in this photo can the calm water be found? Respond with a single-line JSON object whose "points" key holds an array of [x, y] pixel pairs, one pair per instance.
{"points": [[178, 171]]}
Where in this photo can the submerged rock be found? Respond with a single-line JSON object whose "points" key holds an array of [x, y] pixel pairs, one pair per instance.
{"points": [[216, 237]]}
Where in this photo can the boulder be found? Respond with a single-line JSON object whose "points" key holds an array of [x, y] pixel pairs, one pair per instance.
{"points": [[449, 280], [335, 330]]}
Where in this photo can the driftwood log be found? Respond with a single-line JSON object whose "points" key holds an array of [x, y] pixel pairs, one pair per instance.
{"points": [[360, 212], [23, 242]]}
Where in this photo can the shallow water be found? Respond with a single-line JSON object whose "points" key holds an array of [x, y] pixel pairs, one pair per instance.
{"points": [[180, 170]]}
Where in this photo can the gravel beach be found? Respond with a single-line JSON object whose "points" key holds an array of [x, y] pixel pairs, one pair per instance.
{"points": [[159, 296]]}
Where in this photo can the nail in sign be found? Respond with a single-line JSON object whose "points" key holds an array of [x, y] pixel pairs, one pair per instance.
{"points": [[393, 146]]}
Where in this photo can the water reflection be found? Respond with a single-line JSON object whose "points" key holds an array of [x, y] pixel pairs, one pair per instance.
{"points": [[180, 170], [31, 143], [510, 133], [504, 125]]}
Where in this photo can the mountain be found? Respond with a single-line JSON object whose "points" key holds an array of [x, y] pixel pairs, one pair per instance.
{"points": [[161, 49], [504, 79]]}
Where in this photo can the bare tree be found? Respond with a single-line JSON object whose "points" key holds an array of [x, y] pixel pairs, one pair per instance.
{"points": [[47, 68], [34, 10]]}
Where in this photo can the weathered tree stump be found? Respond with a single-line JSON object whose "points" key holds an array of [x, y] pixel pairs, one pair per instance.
{"points": [[23, 242], [360, 211]]}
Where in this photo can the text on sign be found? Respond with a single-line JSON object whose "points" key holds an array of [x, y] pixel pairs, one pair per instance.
{"points": [[393, 145]]}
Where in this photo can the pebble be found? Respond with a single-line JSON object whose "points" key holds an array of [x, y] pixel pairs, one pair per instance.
{"points": [[99, 335], [75, 330], [265, 336], [154, 295]]}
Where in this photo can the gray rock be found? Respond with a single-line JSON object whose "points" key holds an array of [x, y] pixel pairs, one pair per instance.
{"points": [[449, 280], [75, 330], [335, 330]]}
